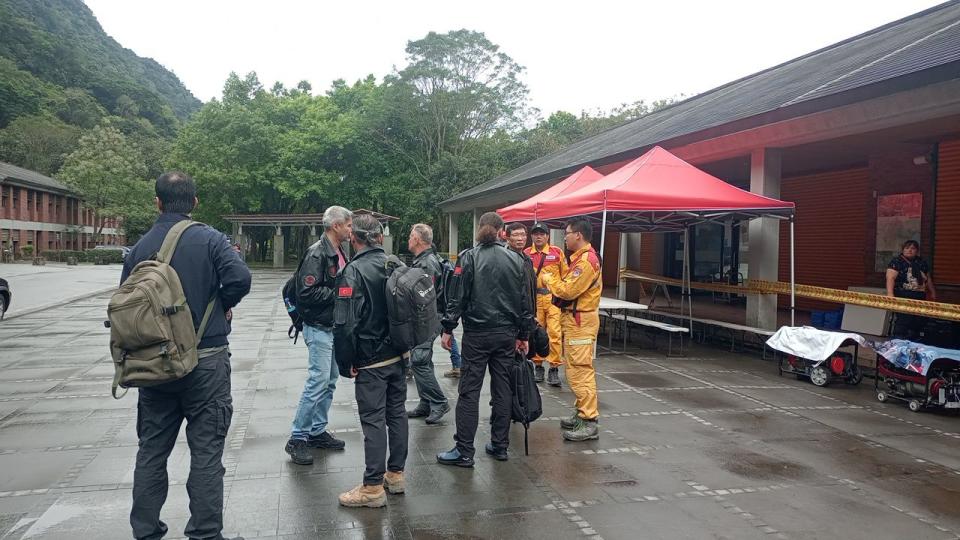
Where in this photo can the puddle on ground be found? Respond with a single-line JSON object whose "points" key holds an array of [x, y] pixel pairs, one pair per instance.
{"points": [[759, 467], [434, 534]]}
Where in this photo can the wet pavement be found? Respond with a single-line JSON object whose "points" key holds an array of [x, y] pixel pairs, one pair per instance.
{"points": [[38, 287], [714, 445]]}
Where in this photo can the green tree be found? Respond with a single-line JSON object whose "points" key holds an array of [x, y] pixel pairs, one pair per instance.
{"points": [[108, 172], [39, 143]]}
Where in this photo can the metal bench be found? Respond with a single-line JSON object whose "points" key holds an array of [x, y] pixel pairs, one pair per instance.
{"points": [[730, 327], [671, 329]]}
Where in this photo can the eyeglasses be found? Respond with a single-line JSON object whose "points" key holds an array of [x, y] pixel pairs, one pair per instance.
{"points": [[568, 233]]}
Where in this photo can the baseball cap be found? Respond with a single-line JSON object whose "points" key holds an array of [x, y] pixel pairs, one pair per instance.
{"points": [[539, 227]]}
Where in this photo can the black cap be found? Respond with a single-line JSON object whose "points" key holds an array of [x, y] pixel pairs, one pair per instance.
{"points": [[539, 227]]}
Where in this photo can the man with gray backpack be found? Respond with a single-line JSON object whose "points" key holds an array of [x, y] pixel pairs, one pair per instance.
{"points": [[169, 323], [433, 403]]}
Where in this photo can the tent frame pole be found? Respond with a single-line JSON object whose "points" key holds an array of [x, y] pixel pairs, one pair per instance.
{"points": [[686, 281], [603, 233], [793, 278]]}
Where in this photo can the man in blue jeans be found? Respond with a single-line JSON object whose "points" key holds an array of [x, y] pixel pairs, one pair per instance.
{"points": [[315, 302], [455, 360]]}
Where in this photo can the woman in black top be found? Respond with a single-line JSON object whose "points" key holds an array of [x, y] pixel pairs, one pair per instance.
{"points": [[908, 276]]}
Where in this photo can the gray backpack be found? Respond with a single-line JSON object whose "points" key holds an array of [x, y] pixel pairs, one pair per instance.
{"points": [[152, 339]]}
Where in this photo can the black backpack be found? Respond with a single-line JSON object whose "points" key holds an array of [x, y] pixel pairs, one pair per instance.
{"points": [[446, 274], [411, 305], [289, 295], [527, 406]]}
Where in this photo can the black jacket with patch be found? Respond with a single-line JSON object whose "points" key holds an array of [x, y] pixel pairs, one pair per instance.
{"points": [[490, 292], [362, 329], [316, 280]]}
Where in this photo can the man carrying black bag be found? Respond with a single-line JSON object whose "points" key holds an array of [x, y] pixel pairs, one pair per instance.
{"points": [[490, 292]]}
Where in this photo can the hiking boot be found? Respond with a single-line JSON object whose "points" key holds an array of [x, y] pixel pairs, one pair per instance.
{"points": [[538, 373], [299, 453], [454, 373], [437, 414], [570, 423], [421, 411], [499, 454], [585, 430], [453, 457], [369, 496], [393, 482], [325, 440], [553, 377]]}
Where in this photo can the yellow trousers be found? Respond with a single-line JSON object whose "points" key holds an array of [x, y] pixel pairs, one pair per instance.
{"points": [[548, 315], [578, 341]]}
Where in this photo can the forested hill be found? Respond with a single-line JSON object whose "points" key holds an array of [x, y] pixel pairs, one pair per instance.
{"points": [[54, 57]]}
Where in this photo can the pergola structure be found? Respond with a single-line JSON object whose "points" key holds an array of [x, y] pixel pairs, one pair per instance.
{"points": [[278, 221]]}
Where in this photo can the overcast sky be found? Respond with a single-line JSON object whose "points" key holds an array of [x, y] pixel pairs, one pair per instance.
{"points": [[578, 55]]}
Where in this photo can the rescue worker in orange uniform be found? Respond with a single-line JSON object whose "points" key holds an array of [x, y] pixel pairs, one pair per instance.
{"points": [[549, 259], [577, 293]]}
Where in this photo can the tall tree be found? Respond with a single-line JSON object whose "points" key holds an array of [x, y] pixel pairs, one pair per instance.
{"points": [[109, 174]]}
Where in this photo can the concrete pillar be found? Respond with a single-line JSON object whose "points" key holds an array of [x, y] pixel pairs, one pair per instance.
{"points": [[453, 236], [764, 238], [239, 239], [387, 239], [314, 235], [476, 225], [622, 263], [557, 238], [278, 248]]}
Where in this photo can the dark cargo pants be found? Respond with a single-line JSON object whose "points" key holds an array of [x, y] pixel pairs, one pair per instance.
{"points": [[381, 393], [482, 349], [421, 364], [203, 399]]}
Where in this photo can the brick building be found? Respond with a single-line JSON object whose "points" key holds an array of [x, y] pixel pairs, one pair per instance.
{"points": [[39, 211], [863, 135]]}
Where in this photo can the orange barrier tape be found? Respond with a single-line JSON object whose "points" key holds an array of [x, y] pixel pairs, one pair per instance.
{"points": [[937, 310]]}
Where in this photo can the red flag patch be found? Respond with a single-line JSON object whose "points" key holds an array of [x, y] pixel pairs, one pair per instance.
{"points": [[345, 292], [458, 270], [309, 280]]}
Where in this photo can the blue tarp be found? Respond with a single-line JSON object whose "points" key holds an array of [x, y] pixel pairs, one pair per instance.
{"points": [[915, 357]]}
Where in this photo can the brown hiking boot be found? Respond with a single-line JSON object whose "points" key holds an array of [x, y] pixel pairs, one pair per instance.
{"points": [[393, 482], [370, 496], [454, 373]]}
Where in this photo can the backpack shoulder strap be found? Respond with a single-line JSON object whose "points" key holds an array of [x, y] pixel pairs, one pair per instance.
{"points": [[173, 237]]}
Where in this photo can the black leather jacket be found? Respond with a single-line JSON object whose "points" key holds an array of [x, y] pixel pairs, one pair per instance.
{"points": [[490, 291], [429, 262], [316, 279], [361, 333]]}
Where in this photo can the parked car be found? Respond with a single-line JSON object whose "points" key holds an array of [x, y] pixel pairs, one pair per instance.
{"points": [[5, 296]]}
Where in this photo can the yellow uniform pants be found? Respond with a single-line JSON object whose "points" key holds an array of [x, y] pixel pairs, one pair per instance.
{"points": [[578, 343], [548, 315]]}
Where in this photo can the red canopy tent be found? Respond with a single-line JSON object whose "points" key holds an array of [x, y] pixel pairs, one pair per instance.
{"points": [[659, 192], [528, 210]]}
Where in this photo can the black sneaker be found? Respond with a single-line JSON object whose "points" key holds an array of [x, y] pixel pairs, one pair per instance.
{"points": [[325, 440], [421, 411], [553, 377], [437, 414], [499, 454], [453, 457], [299, 453], [538, 373]]}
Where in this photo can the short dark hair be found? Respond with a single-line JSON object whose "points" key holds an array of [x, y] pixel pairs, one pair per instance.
{"points": [[516, 226], [176, 192], [581, 226], [909, 243]]}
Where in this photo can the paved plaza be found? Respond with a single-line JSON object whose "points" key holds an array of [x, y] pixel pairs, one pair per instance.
{"points": [[37, 287], [714, 445]]}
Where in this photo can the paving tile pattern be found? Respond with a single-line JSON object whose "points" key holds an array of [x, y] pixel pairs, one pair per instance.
{"points": [[714, 445]]}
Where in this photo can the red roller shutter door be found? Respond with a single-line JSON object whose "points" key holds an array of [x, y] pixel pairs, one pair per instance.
{"points": [[831, 221], [946, 256]]}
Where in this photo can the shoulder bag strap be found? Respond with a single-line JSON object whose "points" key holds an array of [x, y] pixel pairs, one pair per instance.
{"points": [[165, 255]]}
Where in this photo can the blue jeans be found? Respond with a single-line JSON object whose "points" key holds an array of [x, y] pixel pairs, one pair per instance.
{"points": [[311, 418], [455, 352]]}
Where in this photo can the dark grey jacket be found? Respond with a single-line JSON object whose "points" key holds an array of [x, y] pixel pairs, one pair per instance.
{"points": [[207, 266]]}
